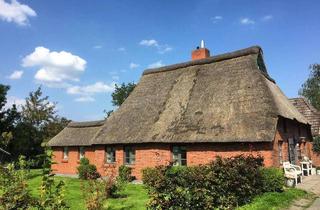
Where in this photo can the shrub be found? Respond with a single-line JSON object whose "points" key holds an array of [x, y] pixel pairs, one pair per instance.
{"points": [[51, 193], [87, 170], [125, 174], [93, 192], [13, 186], [224, 184], [272, 179], [316, 144]]}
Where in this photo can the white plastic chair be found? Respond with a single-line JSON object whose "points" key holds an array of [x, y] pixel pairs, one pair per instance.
{"points": [[292, 171]]}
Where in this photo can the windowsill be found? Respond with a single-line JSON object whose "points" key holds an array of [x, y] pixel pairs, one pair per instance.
{"points": [[129, 164], [64, 161], [107, 164]]}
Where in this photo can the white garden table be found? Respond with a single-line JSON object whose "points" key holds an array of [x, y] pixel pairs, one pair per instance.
{"points": [[306, 166]]}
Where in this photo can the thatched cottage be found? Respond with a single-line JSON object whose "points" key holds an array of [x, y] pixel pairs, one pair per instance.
{"points": [[189, 113]]}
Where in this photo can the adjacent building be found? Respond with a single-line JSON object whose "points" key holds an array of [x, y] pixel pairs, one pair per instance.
{"points": [[313, 116]]}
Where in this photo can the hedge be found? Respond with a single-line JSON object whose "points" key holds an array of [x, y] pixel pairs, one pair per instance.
{"points": [[224, 184]]}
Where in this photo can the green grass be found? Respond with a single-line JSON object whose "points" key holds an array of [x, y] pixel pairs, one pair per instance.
{"points": [[274, 200], [133, 196]]}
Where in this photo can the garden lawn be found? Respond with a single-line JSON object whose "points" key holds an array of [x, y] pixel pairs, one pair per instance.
{"points": [[133, 196], [274, 200]]}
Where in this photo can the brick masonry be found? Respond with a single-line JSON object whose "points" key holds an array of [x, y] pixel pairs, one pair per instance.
{"points": [[153, 154]]}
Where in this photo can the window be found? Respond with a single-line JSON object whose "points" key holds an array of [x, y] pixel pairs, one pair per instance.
{"points": [[65, 153], [280, 152], [179, 155], [130, 155], [110, 155], [81, 152]]}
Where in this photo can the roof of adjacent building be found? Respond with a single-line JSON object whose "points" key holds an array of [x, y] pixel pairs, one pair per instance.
{"points": [[310, 113], [223, 98], [76, 134]]}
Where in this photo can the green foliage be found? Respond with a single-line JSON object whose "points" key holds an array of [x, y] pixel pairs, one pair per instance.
{"points": [[87, 170], [311, 88], [121, 93], [224, 184], [316, 144], [9, 118], [25, 132], [13, 186], [272, 179], [94, 194], [125, 174], [51, 194]]}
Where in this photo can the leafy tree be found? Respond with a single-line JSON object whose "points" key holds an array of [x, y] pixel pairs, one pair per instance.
{"points": [[8, 117], [38, 111], [39, 123], [311, 88], [121, 93]]}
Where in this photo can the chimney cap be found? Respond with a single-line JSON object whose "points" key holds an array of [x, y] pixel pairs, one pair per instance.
{"points": [[202, 45]]}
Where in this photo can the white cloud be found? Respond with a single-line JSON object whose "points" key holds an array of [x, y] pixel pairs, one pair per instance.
{"points": [[156, 64], [267, 18], [85, 99], [87, 92], [97, 47], [98, 87], [16, 75], [14, 100], [16, 12], [216, 19], [55, 67], [247, 21], [133, 65], [149, 43], [122, 49], [162, 48]]}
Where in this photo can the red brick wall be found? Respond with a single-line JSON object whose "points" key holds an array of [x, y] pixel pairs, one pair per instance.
{"points": [[69, 166], [151, 155]]}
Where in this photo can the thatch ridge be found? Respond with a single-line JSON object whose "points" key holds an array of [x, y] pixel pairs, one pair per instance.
{"points": [[77, 134], [86, 124]]}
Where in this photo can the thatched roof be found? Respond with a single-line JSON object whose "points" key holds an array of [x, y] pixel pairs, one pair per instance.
{"points": [[224, 98], [309, 112], [76, 134]]}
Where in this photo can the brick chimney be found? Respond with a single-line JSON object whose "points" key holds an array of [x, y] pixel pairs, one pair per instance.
{"points": [[200, 53]]}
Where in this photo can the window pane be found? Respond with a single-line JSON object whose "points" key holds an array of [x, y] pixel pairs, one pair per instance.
{"points": [[65, 153], [110, 155], [179, 155], [129, 155], [81, 152]]}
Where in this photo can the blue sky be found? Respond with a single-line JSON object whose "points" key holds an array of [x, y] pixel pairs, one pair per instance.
{"points": [[77, 50]]}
